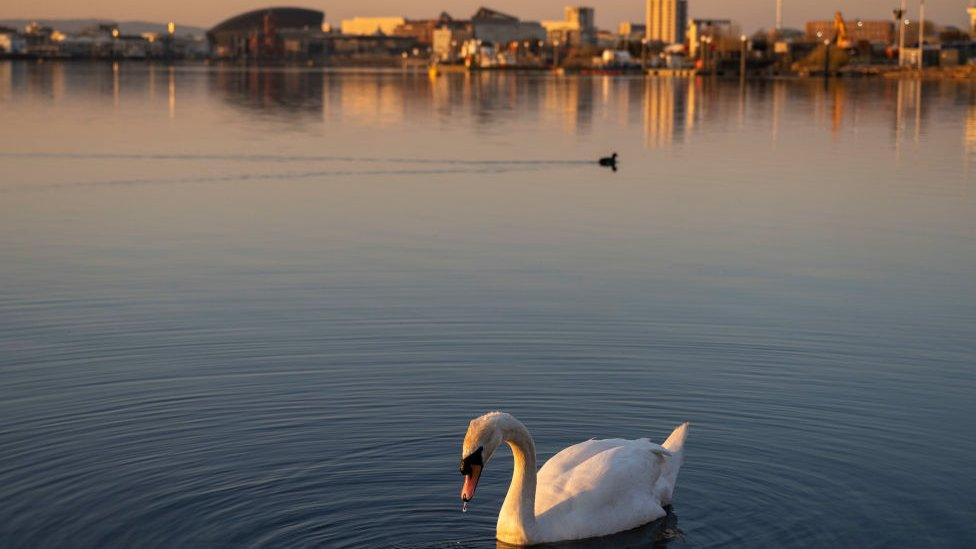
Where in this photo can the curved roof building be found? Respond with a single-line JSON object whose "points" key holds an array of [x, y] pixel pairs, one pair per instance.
{"points": [[255, 33]]}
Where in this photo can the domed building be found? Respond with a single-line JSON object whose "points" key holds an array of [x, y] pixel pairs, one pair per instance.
{"points": [[261, 34]]}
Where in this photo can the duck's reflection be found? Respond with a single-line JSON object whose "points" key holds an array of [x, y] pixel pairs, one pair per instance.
{"points": [[656, 534]]}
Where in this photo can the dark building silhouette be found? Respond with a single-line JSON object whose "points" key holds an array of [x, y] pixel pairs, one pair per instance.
{"points": [[259, 34]]}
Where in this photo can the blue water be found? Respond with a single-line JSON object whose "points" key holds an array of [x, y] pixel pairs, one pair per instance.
{"points": [[258, 309]]}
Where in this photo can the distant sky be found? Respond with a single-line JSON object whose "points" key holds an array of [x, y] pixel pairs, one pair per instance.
{"points": [[752, 14]]}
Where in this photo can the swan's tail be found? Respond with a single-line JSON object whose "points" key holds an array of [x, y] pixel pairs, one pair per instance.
{"points": [[669, 477]]}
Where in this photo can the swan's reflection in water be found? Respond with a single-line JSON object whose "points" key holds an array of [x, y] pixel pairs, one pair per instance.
{"points": [[656, 534]]}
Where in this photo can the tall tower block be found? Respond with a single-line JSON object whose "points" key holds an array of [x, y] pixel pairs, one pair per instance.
{"points": [[666, 20]]}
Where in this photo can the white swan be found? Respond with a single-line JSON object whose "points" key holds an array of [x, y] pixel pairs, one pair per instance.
{"points": [[595, 488]]}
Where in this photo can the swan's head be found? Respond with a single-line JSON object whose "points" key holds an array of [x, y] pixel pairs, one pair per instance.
{"points": [[484, 436]]}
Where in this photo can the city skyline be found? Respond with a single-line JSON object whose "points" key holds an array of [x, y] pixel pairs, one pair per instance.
{"points": [[752, 14]]}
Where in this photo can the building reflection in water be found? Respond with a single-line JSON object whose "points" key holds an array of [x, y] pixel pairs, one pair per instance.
{"points": [[918, 111], [571, 99], [670, 110], [374, 102], [909, 111], [777, 105], [660, 112], [838, 99], [279, 91], [6, 80], [970, 132], [899, 123], [669, 106], [171, 92], [116, 85], [58, 82]]}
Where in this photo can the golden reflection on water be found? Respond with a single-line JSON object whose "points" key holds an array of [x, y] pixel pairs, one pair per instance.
{"points": [[6, 81], [116, 92], [661, 114], [171, 95], [668, 111], [970, 136], [969, 139], [769, 222], [776, 106]]}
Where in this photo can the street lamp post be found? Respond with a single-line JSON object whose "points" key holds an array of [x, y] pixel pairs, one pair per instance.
{"points": [[826, 59], [171, 32], [644, 54], [921, 34], [701, 54], [900, 22], [708, 57], [555, 54], [711, 56], [115, 42], [742, 57]]}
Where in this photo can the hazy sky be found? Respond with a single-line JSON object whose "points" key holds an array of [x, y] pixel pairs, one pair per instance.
{"points": [[752, 14]]}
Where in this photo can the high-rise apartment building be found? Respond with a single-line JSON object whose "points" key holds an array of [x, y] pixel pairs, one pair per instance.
{"points": [[666, 20], [578, 27]]}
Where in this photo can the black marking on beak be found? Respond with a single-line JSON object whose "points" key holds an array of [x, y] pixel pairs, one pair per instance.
{"points": [[475, 458]]}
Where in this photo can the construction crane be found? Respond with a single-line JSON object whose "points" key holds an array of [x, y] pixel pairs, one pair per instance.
{"points": [[840, 31]]}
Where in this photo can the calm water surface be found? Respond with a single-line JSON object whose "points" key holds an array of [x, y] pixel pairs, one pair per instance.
{"points": [[258, 309]]}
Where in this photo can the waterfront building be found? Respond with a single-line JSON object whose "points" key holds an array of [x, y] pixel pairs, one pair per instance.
{"points": [[422, 30], [720, 33], [83, 46], [11, 42], [972, 21], [666, 21], [931, 56], [631, 32], [257, 34], [495, 27], [607, 40], [577, 28], [368, 26], [41, 41], [130, 46], [351, 49], [447, 41], [911, 32]]}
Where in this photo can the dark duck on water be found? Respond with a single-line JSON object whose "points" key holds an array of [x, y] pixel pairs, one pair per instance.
{"points": [[609, 161]]}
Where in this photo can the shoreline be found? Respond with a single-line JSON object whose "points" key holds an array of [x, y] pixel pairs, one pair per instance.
{"points": [[958, 73]]}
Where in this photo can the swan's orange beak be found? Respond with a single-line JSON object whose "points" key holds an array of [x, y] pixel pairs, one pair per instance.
{"points": [[470, 482], [471, 467]]}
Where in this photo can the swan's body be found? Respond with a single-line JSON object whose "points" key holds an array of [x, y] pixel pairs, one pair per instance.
{"points": [[595, 488]]}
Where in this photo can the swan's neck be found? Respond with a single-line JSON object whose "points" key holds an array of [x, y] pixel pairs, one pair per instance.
{"points": [[517, 516]]}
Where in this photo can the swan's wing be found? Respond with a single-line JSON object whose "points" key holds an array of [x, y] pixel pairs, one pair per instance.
{"points": [[572, 456], [599, 487]]}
